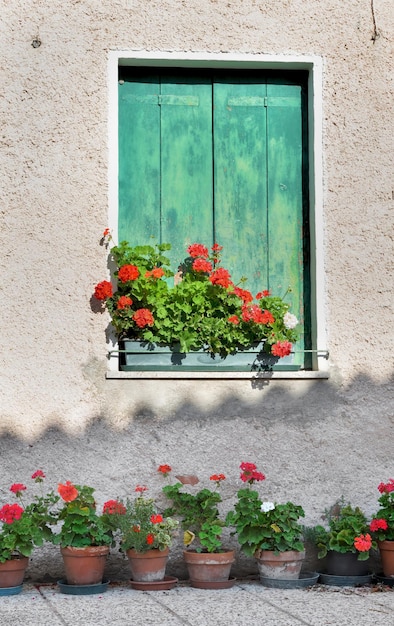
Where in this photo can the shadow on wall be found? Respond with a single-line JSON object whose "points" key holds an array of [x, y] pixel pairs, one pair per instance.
{"points": [[313, 447]]}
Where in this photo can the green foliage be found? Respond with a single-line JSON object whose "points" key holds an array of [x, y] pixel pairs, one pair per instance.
{"points": [[196, 312], [142, 528], [345, 523], [276, 529], [31, 529], [81, 525], [199, 515]]}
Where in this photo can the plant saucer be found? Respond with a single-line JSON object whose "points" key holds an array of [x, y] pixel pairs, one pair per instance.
{"points": [[344, 581], [385, 580], [10, 591], [82, 590], [306, 579], [168, 582]]}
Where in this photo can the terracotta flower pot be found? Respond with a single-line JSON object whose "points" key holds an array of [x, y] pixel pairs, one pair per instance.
{"points": [[12, 572], [386, 549], [209, 566], [285, 565], [84, 566], [148, 566]]}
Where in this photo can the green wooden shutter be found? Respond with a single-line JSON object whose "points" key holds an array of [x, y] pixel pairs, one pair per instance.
{"points": [[217, 157]]}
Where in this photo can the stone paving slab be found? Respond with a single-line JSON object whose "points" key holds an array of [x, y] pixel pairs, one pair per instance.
{"points": [[248, 603]]}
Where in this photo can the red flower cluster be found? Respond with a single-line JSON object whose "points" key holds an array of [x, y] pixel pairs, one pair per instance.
{"points": [[244, 294], [113, 507], [38, 476], [217, 477], [221, 277], [281, 348], [128, 272], [124, 302], [156, 519], [378, 524], [143, 317], [10, 512], [141, 488], [234, 319], [386, 487], [157, 272], [263, 294], [202, 265], [150, 539], [249, 473], [253, 313], [67, 492], [103, 290], [363, 543], [16, 488], [216, 248], [164, 469], [198, 250]]}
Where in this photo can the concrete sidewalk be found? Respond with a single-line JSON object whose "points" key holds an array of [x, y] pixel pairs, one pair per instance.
{"points": [[248, 603]]}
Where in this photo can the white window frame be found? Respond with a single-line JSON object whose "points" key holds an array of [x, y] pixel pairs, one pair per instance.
{"points": [[314, 66]]}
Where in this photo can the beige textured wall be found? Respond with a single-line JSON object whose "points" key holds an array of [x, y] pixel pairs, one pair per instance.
{"points": [[314, 439]]}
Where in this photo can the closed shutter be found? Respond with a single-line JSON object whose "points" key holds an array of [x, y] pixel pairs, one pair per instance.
{"points": [[219, 157]]}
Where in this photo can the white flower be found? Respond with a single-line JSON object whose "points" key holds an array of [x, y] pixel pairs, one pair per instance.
{"points": [[290, 320], [267, 506]]}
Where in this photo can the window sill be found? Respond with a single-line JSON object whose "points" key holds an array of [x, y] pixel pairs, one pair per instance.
{"points": [[298, 375]]}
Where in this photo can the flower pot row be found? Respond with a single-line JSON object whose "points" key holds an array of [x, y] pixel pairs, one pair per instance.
{"points": [[269, 532]]}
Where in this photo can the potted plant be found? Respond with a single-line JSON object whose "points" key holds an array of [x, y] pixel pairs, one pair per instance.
{"points": [[84, 535], [145, 536], [268, 531], [346, 543], [207, 561], [203, 312], [382, 526], [23, 527]]}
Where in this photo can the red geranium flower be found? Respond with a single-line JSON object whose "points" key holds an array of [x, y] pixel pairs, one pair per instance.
{"points": [[103, 290], [106, 232], [10, 512], [263, 294], [143, 317], [220, 277], [164, 469], [17, 488], [281, 348], [128, 272], [216, 247], [363, 543], [249, 473], [141, 488], [234, 319], [150, 539], [157, 272], [198, 249], [38, 476], [113, 507], [156, 519], [124, 302], [244, 294], [217, 477], [386, 487], [202, 265], [378, 524], [67, 492]]}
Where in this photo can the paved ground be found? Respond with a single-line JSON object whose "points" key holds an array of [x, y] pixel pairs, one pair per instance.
{"points": [[248, 603]]}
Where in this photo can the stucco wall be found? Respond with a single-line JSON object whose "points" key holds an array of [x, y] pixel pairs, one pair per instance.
{"points": [[314, 439]]}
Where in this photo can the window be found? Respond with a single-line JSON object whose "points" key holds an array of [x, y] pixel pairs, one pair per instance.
{"points": [[212, 155]]}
